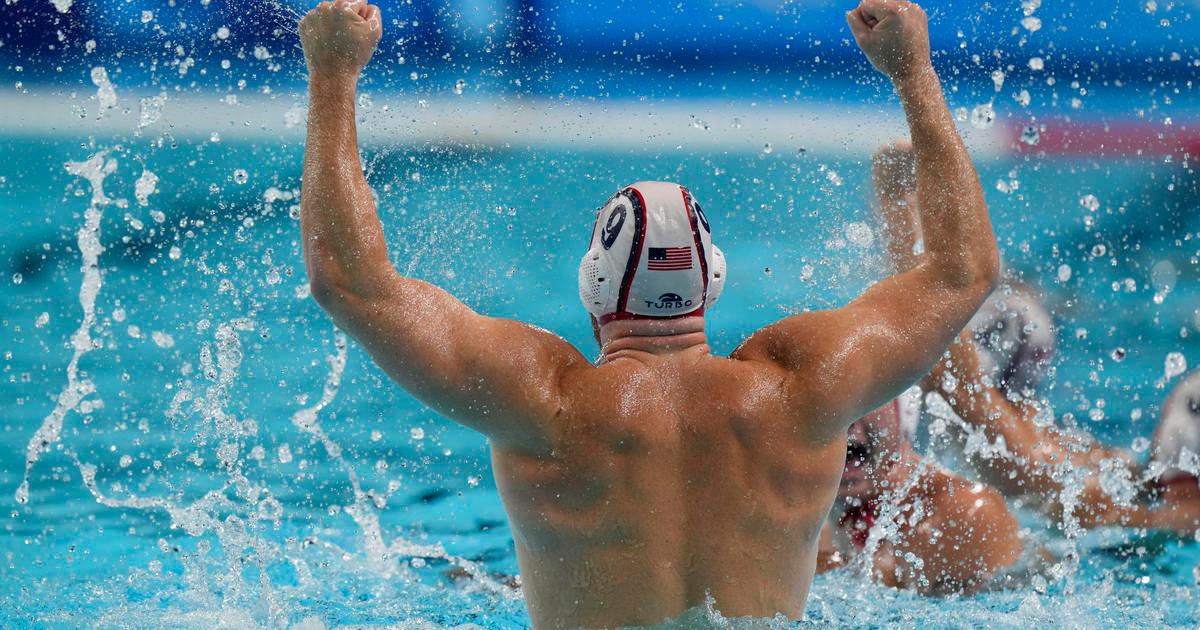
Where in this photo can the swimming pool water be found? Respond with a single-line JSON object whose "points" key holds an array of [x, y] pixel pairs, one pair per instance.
{"points": [[207, 347]]}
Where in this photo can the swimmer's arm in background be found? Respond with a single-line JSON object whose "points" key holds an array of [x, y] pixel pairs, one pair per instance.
{"points": [[850, 361], [978, 404], [497, 376], [1034, 450]]}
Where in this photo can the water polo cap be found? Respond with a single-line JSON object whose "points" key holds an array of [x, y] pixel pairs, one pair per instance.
{"points": [[651, 256], [1179, 428], [1016, 335]]}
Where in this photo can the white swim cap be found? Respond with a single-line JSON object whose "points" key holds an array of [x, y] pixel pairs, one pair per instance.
{"points": [[1179, 428], [651, 256], [1016, 335]]}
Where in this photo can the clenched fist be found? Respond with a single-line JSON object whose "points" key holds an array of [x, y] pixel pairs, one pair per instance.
{"points": [[340, 37], [894, 35]]}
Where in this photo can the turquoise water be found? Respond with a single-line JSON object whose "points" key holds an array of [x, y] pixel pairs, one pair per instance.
{"points": [[187, 491]]}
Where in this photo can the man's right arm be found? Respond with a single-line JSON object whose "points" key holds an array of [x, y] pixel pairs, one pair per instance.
{"points": [[852, 360]]}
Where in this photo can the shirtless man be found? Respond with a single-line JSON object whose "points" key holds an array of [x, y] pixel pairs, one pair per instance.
{"points": [[947, 534], [994, 394], [662, 476]]}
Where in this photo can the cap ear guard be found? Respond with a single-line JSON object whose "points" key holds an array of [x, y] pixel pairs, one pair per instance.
{"points": [[597, 287], [716, 283]]}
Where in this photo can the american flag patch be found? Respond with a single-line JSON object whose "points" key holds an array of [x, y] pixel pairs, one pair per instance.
{"points": [[669, 259]]}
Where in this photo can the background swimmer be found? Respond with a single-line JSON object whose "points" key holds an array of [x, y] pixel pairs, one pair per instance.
{"points": [[994, 392], [944, 534], [663, 477]]}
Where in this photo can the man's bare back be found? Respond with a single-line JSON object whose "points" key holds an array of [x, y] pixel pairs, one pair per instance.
{"points": [[662, 477], [677, 477]]}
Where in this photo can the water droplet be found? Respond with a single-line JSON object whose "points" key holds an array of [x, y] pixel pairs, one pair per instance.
{"points": [[983, 116], [416, 433], [1090, 202], [17, 278], [1139, 445], [223, 33], [998, 79], [146, 185], [767, 148], [1030, 135], [285, 454], [459, 85], [126, 461], [1036, 63], [1031, 23], [860, 234], [240, 176], [147, 17], [1064, 272], [1174, 365], [174, 253], [1099, 250], [1163, 276], [1118, 354]]}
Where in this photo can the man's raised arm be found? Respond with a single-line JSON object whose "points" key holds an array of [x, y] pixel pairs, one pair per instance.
{"points": [[849, 361], [497, 376]]}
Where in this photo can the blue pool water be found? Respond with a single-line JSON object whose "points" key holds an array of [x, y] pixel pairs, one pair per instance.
{"points": [[183, 492]]}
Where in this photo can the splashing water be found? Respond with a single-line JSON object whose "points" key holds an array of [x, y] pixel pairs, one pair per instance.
{"points": [[380, 554], [146, 185], [150, 110], [106, 94], [983, 116], [94, 170]]}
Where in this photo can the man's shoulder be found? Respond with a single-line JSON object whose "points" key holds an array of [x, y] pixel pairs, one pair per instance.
{"points": [[785, 342]]}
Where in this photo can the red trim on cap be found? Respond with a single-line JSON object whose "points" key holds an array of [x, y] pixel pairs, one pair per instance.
{"points": [[635, 253], [687, 207]]}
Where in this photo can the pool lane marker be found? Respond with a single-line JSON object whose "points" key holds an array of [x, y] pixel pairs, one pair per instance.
{"points": [[94, 170]]}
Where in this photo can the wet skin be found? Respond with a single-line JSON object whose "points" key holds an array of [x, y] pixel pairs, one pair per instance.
{"points": [[952, 535], [680, 476], [641, 487]]}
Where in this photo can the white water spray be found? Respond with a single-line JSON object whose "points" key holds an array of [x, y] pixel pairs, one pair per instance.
{"points": [[94, 170]]}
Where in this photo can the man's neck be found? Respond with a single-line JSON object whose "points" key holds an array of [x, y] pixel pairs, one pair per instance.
{"points": [[634, 338]]}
